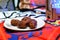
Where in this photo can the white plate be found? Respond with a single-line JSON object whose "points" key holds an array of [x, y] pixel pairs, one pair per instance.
{"points": [[7, 24], [40, 10]]}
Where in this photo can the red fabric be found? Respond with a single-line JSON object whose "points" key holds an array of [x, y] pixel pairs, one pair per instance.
{"points": [[35, 38], [46, 32], [49, 32], [42, 2], [54, 34], [3, 34]]}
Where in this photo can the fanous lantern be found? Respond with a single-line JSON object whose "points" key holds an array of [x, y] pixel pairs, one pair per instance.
{"points": [[53, 9]]}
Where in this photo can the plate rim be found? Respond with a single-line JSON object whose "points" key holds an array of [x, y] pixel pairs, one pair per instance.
{"points": [[23, 30]]}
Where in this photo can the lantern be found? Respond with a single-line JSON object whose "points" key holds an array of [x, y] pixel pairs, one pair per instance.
{"points": [[53, 9]]}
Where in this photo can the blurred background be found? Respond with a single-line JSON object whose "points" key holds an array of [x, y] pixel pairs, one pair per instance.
{"points": [[10, 5]]}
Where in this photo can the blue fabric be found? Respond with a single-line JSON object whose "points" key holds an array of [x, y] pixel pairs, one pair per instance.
{"points": [[14, 37], [40, 32], [24, 38], [30, 34]]}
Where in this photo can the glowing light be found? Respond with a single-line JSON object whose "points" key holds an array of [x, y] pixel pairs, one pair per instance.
{"points": [[56, 4]]}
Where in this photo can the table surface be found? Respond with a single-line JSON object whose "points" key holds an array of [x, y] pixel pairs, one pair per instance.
{"points": [[41, 34]]}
